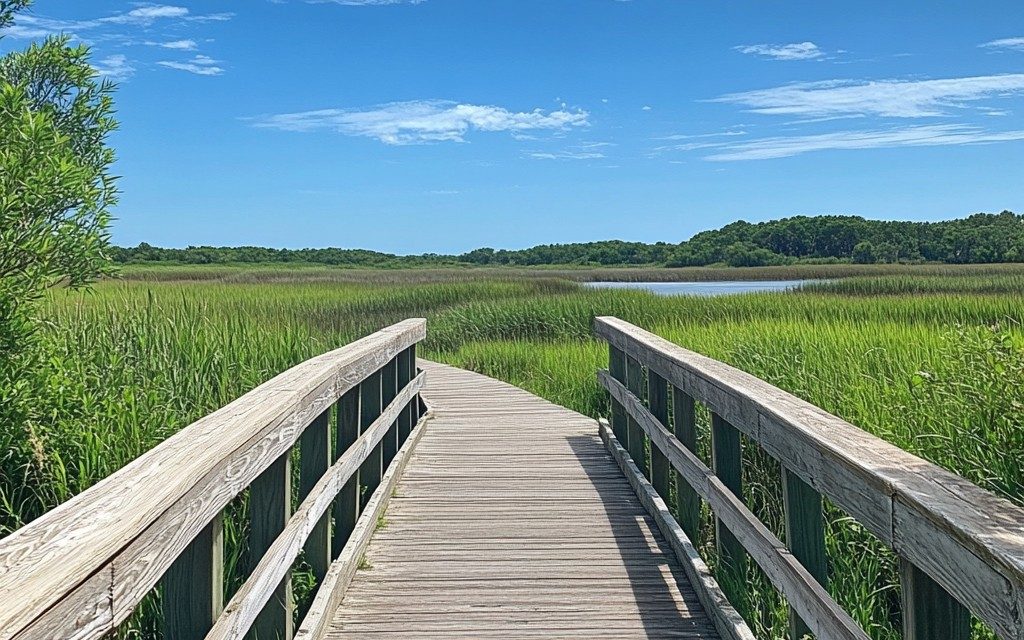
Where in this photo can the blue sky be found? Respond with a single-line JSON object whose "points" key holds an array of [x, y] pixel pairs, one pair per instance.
{"points": [[445, 125]]}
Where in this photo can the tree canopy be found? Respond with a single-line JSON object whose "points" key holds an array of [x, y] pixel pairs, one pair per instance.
{"points": [[980, 238]]}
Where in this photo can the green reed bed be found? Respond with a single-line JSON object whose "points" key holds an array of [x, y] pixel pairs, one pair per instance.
{"points": [[936, 373]]}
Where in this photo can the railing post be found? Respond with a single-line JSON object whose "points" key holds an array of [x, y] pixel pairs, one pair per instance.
{"points": [[929, 612], [346, 506], [388, 391], [635, 383], [727, 463], [406, 365], [193, 587], [687, 500], [314, 460], [369, 409], [269, 508], [805, 537], [657, 400], [617, 370]]}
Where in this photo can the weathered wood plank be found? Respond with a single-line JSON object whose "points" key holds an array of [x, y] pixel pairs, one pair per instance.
{"points": [[326, 602], [243, 612], [270, 504], [636, 441], [314, 460], [685, 429], [929, 612], [727, 465], [805, 537], [617, 369], [657, 400], [193, 587], [133, 525], [813, 603], [728, 621], [406, 372], [346, 505], [369, 408], [975, 547], [485, 532], [388, 389]]}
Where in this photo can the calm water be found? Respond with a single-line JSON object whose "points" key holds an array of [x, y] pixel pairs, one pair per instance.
{"points": [[702, 288]]}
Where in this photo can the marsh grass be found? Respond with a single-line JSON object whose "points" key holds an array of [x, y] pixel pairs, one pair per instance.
{"points": [[936, 372]]}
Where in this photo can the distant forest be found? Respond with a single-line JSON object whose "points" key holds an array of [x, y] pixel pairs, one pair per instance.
{"points": [[980, 238]]}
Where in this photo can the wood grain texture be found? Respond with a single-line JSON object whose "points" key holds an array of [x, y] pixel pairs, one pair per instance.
{"points": [[968, 540], [317, 620], [728, 621], [314, 460], [131, 526], [270, 506], [513, 520], [813, 603], [193, 588], [244, 608]]}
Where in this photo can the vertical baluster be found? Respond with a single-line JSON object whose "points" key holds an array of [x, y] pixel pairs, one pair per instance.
{"points": [[805, 536], [269, 508], [388, 391], [657, 400], [406, 364], [369, 410], [929, 612], [315, 458], [726, 455], [346, 506], [193, 587], [617, 370], [636, 437], [687, 500]]}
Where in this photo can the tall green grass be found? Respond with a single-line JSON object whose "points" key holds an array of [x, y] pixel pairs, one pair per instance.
{"points": [[936, 372]]}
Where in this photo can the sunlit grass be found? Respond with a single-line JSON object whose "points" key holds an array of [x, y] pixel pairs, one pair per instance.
{"points": [[934, 368]]}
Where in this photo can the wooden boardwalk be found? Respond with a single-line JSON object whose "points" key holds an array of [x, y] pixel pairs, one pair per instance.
{"points": [[512, 520], [499, 514]]}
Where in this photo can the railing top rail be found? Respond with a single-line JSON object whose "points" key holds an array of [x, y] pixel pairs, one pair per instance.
{"points": [[134, 523], [967, 539]]}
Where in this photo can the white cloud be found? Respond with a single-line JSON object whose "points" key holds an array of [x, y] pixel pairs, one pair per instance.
{"points": [[181, 45], [793, 51], [34, 26], [565, 155], [422, 121], [646, 107], [200, 65], [889, 98], [146, 15], [115, 67], [1016, 44], [914, 136]]}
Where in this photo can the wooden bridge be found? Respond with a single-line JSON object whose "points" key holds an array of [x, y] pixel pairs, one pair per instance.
{"points": [[434, 502]]}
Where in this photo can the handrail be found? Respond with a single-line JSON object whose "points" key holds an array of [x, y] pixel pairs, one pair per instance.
{"points": [[960, 546], [80, 570]]}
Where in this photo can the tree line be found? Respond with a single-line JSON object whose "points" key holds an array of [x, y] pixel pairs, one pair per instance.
{"points": [[979, 238]]}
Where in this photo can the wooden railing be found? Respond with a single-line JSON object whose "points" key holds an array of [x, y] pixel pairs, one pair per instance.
{"points": [[80, 570], [961, 548]]}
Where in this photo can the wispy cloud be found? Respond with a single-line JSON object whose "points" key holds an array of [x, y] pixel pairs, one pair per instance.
{"points": [[115, 67], [181, 45], [913, 136], [1017, 44], [34, 26], [199, 65], [888, 98], [568, 154], [792, 51], [422, 121]]}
